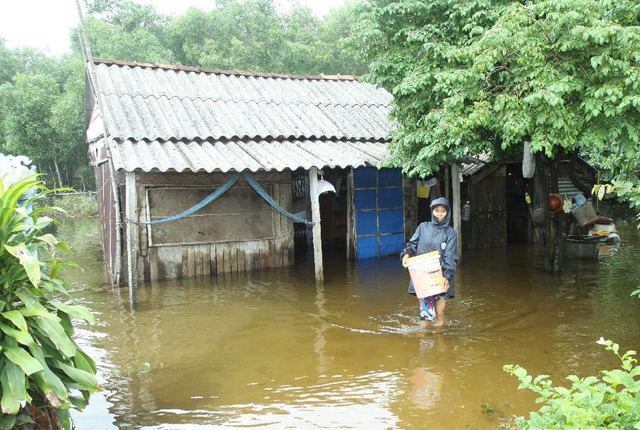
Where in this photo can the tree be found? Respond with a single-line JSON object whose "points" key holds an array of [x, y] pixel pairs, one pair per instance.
{"points": [[9, 62], [300, 41], [254, 36], [246, 35], [251, 35], [42, 116], [487, 75], [335, 51], [27, 121], [68, 119], [124, 30]]}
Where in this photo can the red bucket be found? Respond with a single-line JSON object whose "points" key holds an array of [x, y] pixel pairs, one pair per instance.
{"points": [[426, 274]]}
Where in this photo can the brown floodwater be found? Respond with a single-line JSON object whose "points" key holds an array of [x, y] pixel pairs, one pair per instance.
{"points": [[275, 350]]}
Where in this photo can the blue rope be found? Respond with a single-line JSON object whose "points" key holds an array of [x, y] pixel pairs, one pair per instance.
{"points": [[269, 200], [220, 191], [217, 193]]}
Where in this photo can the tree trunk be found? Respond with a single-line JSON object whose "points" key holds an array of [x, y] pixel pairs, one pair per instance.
{"points": [[541, 200], [58, 174], [554, 232], [562, 223]]}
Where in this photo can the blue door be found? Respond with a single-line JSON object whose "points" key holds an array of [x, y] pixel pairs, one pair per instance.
{"points": [[379, 223]]}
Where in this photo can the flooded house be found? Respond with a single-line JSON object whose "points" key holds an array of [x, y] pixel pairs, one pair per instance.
{"points": [[202, 172], [495, 194]]}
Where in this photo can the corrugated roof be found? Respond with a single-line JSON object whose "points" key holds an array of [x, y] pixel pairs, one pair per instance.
{"points": [[151, 102], [237, 156], [474, 164]]}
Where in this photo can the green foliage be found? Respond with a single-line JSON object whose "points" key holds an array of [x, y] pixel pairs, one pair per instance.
{"points": [[41, 364], [629, 191], [42, 116], [9, 63], [487, 75], [247, 35], [608, 401], [76, 205], [117, 42], [42, 110]]}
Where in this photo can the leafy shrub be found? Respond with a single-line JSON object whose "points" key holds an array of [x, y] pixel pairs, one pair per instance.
{"points": [[610, 401], [43, 372], [629, 191], [76, 205]]}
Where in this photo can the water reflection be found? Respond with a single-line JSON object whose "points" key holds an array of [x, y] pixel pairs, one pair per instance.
{"points": [[274, 349]]}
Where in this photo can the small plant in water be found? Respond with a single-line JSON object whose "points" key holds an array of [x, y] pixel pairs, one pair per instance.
{"points": [[608, 401], [487, 408]]}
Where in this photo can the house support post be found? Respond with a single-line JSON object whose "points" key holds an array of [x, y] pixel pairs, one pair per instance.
{"points": [[315, 219], [455, 204], [132, 236], [350, 232]]}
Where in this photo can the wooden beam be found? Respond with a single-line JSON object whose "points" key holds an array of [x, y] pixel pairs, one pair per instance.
{"points": [[455, 203], [350, 222], [132, 236], [315, 218]]}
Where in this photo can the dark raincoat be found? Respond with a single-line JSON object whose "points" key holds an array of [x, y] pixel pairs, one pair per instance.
{"points": [[440, 236]]}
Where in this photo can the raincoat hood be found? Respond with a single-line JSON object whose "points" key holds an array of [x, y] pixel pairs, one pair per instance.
{"points": [[445, 221]]}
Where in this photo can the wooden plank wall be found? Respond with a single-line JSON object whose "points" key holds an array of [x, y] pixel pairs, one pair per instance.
{"points": [[410, 194], [183, 260], [489, 220], [107, 209]]}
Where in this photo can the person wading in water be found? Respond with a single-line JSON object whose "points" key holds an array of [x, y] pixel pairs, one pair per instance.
{"points": [[436, 235]]}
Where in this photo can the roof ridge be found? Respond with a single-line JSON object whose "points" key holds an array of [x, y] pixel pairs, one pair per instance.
{"points": [[256, 101], [321, 77]]}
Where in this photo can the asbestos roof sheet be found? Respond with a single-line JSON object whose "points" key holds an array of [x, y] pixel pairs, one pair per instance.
{"points": [[254, 155], [150, 102], [474, 164]]}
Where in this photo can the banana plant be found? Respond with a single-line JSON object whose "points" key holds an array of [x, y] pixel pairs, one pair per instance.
{"points": [[43, 372]]}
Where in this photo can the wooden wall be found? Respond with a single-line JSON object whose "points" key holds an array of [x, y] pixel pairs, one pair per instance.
{"points": [[107, 209], [238, 232], [489, 209]]}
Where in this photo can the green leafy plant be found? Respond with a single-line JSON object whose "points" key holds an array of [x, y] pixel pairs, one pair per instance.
{"points": [[76, 205], [43, 372], [629, 191], [608, 401]]}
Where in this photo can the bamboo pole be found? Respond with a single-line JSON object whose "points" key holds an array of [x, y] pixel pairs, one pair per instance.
{"points": [[455, 203]]}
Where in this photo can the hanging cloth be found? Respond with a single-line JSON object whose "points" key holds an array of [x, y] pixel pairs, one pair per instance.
{"points": [[210, 198], [528, 161], [269, 200], [220, 191]]}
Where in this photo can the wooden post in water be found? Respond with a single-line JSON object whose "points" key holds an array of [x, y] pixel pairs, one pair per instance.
{"points": [[131, 217], [455, 202], [349, 234], [315, 218]]}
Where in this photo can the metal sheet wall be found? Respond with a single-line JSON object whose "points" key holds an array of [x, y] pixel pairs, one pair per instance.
{"points": [[108, 220], [378, 207]]}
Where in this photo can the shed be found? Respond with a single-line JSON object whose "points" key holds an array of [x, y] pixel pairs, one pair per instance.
{"points": [[164, 138], [496, 194]]}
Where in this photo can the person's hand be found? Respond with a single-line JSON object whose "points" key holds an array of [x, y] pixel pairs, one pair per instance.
{"points": [[405, 257], [445, 282]]}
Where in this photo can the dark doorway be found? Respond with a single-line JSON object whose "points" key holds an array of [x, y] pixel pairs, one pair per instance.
{"points": [[333, 212], [302, 208], [518, 220]]}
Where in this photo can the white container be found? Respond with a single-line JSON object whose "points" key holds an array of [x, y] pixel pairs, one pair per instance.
{"points": [[426, 274]]}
